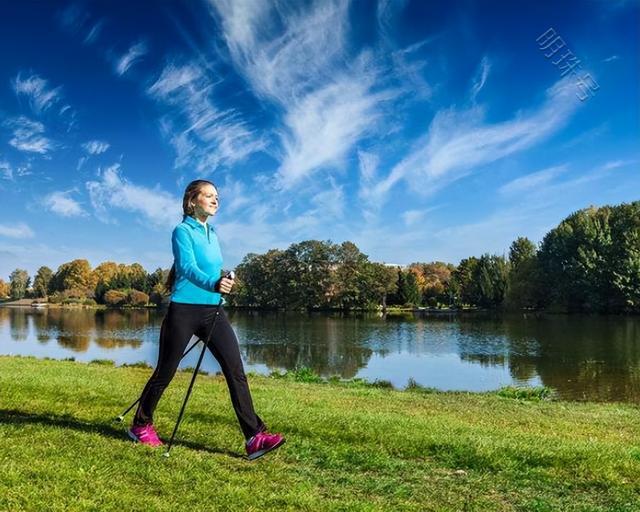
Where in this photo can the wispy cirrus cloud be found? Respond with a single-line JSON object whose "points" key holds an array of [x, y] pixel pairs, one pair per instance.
{"points": [[325, 125], [133, 54], [63, 204], [28, 136], [298, 58], [17, 230], [95, 147], [39, 93], [458, 141], [151, 205], [6, 171], [532, 180], [202, 134], [480, 78], [94, 32]]}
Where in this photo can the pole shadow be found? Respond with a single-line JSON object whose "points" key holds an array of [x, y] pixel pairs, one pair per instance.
{"points": [[105, 429]]}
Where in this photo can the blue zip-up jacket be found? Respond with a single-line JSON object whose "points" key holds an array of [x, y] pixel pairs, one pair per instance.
{"points": [[198, 262]]}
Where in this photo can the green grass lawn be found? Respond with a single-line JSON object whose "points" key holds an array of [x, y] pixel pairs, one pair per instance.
{"points": [[349, 447]]}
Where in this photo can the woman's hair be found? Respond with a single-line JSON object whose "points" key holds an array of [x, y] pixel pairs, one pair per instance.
{"points": [[188, 209]]}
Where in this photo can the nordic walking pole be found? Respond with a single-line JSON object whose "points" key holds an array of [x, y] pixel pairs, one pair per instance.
{"points": [[229, 275], [120, 418]]}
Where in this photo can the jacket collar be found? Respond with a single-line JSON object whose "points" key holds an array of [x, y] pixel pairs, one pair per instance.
{"points": [[194, 223]]}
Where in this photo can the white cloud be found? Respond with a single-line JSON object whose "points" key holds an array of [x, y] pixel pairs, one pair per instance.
{"points": [[387, 13], [6, 171], [28, 136], [19, 230], [151, 205], [135, 53], [324, 126], [481, 77], [95, 147], [94, 32], [611, 58], [299, 59], [284, 52], [532, 180], [202, 134], [61, 203], [234, 196], [36, 89], [459, 141], [411, 217], [614, 164]]}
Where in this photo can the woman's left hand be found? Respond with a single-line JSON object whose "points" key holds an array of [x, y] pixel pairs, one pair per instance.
{"points": [[225, 285]]}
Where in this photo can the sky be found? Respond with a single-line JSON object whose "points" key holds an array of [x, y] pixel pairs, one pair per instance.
{"points": [[420, 131]]}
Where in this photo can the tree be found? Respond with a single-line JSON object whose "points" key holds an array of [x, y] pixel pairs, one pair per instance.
{"points": [[5, 289], [437, 278], [384, 282], [76, 275], [522, 249], [408, 292], [104, 275], [465, 284], [351, 276], [41, 281], [261, 279], [20, 282], [624, 257], [138, 277], [308, 267], [522, 291], [157, 277], [491, 275], [591, 260]]}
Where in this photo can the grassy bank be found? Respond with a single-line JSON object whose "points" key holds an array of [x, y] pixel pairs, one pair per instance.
{"points": [[350, 447]]}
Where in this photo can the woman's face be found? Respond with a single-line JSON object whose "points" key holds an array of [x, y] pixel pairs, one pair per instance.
{"points": [[207, 201]]}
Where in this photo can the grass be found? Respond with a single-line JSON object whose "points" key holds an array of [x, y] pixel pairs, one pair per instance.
{"points": [[350, 446]]}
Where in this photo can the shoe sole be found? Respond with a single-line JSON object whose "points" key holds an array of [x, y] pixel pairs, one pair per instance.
{"points": [[260, 453], [137, 440]]}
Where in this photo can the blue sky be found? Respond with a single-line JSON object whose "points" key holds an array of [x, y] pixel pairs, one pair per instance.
{"points": [[420, 131]]}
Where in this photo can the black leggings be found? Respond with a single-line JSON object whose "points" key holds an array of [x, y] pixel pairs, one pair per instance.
{"points": [[179, 324]]}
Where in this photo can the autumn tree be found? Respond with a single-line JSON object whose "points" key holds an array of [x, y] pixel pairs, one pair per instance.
{"points": [[41, 281], [5, 289]]}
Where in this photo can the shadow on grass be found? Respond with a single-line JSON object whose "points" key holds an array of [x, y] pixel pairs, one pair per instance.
{"points": [[16, 417]]}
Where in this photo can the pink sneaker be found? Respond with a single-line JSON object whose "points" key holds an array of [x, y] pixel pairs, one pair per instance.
{"points": [[145, 434], [262, 443]]}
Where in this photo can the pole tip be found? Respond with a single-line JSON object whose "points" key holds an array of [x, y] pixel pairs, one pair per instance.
{"points": [[119, 419], [166, 455]]}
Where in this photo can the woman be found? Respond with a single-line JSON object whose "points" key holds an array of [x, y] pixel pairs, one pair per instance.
{"points": [[196, 288]]}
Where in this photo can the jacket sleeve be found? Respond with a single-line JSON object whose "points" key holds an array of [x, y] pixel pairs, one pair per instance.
{"points": [[186, 261]]}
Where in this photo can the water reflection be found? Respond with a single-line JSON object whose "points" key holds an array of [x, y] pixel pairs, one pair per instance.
{"points": [[595, 358]]}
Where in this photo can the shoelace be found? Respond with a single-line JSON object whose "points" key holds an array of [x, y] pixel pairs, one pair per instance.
{"points": [[148, 433]]}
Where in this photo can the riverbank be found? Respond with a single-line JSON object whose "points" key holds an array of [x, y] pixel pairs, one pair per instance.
{"points": [[349, 447]]}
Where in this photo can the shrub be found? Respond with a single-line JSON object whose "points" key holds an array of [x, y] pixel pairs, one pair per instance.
{"points": [[72, 300], [115, 298], [102, 362], [522, 393], [139, 364], [137, 298]]}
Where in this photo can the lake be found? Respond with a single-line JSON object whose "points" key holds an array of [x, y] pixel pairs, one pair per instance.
{"points": [[581, 357]]}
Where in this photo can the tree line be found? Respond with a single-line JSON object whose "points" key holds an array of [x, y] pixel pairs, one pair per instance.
{"points": [[590, 262], [75, 282]]}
